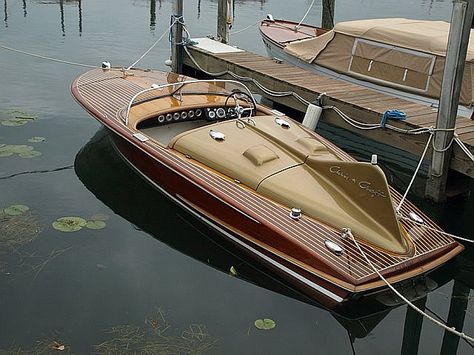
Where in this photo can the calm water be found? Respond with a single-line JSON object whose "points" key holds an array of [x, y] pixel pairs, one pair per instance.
{"points": [[153, 278]]}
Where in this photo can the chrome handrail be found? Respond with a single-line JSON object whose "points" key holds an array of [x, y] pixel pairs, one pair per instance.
{"points": [[183, 84]]}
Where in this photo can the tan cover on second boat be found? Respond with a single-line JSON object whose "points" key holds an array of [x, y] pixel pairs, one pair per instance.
{"points": [[402, 53]]}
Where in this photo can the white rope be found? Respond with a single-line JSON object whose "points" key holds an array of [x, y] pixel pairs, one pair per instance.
{"points": [[415, 308], [415, 173], [245, 29], [248, 79], [445, 149], [464, 148], [154, 44], [48, 58], [437, 230], [306, 14]]}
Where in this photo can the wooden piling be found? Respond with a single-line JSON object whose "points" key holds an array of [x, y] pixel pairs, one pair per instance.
{"points": [[177, 37], [412, 329], [223, 25], [458, 41], [327, 20]]}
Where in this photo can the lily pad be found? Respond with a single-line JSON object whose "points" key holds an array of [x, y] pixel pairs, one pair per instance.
{"points": [[36, 139], [17, 148], [15, 210], [69, 224], [13, 122], [5, 154], [265, 324], [95, 224], [30, 154], [17, 113]]}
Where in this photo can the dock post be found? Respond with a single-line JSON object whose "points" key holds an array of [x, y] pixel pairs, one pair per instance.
{"points": [[456, 317], [223, 25], [177, 37], [412, 328], [327, 20], [461, 21]]}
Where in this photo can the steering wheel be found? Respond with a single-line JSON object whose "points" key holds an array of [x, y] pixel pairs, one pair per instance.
{"points": [[238, 109]]}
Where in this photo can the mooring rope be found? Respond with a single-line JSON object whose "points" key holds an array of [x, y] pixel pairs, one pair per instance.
{"points": [[403, 298], [248, 79], [48, 58], [178, 19], [245, 28], [463, 147], [424, 225], [306, 14], [414, 174]]}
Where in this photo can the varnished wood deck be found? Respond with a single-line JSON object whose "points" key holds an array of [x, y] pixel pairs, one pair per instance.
{"points": [[364, 104]]}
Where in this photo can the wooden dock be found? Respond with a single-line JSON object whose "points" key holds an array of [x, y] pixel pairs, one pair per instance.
{"points": [[360, 103]]}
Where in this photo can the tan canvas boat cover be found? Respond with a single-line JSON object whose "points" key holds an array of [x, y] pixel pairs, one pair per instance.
{"points": [[402, 53]]}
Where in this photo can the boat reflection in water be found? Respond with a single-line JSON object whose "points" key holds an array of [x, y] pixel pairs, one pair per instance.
{"points": [[125, 192]]}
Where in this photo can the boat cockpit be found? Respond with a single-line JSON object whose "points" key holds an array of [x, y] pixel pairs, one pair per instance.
{"points": [[164, 111]]}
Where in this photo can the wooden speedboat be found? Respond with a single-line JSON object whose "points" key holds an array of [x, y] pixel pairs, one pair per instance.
{"points": [[280, 192], [396, 56]]}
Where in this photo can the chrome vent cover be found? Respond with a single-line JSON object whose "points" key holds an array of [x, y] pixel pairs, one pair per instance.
{"points": [[216, 135]]}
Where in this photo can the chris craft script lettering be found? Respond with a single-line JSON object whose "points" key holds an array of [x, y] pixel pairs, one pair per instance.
{"points": [[364, 185]]}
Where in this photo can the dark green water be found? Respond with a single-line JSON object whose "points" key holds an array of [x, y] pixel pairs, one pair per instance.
{"points": [[154, 278]]}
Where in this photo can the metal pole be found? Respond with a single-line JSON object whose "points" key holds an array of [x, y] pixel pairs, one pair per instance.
{"points": [[177, 37], [327, 20], [458, 41], [222, 23]]}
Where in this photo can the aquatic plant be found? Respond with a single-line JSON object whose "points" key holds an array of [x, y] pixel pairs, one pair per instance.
{"points": [[95, 224], [100, 217], [69, 224], [36, 139], [17, 227], [265, 324], [74, 224], [155, 338], [17, 118], [42, 347], [22, 150]]}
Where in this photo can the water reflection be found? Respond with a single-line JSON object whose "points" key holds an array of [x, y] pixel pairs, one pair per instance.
{"points": [[153, 14], [62, 4], [128, 195], [5, 12]]}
